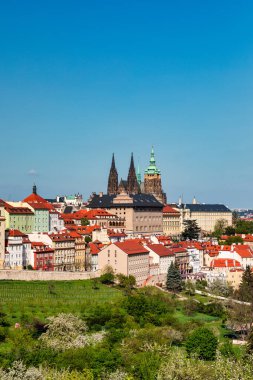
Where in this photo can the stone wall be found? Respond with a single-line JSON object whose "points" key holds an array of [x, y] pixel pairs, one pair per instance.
{"points": [[29, 275]]}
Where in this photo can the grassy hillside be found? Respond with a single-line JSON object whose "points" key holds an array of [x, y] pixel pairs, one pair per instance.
{"points": [[21, 299]]}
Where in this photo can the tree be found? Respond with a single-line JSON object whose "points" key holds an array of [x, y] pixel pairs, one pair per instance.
{"points": [[244, 227], [220, 227], [234, 240], [174, 279], [229, 230], [246, 286], [191, 230], [235, 218], [202, 343], [85, 222], [126, 282], [107, 276]]}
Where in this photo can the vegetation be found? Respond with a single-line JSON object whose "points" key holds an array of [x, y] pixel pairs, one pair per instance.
{"points": [[85, 222], [77, 331], [234, 240], [244, 227], [174, 280], [191, 230], [220, 228]]}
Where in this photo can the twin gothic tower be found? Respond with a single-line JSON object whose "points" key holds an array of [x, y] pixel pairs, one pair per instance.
{"points": [[133, 185]]}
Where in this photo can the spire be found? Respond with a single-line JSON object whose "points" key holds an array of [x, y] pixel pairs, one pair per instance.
{"points": [[34, 189], [138, 174], [112, 187], [132, 183], [152, 168]]}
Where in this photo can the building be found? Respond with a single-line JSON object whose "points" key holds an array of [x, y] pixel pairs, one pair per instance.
{"points": [[142, 212], [162, 256], [14, 250], [133, 185], [64, 251], [2, 235], [80, 247], [128, 257], [43, 257], [171, 221], [18, 218], [153, 181], [206, 215]]}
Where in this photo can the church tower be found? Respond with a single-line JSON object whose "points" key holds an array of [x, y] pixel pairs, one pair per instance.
{"points": [[132, 183], [112, 187], [153, 181]]}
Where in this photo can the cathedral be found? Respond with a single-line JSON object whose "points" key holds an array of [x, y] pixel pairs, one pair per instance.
{"points": [[133, 185]]}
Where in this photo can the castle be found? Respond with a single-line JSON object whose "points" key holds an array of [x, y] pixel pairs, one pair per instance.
{"points": [[133, 185]]}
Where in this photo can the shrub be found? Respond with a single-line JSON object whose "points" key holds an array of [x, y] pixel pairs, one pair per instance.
{"points": [[202, 343]]}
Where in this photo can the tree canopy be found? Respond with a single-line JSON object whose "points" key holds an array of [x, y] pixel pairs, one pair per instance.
{"points": [[191, 230], [174, 279]]}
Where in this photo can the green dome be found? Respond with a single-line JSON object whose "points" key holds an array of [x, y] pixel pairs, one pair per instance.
{"points": [[152, 168]]}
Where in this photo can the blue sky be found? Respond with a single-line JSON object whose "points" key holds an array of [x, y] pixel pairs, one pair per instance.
{"points": [[82, 79]]}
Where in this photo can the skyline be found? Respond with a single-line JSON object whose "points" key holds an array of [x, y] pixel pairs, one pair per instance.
{"points": [[80, 81]]}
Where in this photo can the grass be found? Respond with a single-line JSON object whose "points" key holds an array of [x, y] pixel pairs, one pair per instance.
{"points": [[40, 299]]}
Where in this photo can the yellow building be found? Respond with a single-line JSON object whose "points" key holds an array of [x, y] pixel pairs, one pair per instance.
{"points": [[2, 235]]}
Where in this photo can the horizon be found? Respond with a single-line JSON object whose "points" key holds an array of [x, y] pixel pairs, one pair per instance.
{"points": [[80, 81]]}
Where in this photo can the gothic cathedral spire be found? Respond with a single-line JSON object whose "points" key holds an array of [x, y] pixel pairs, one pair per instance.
{"points": [[132, 183], [112, 187]]}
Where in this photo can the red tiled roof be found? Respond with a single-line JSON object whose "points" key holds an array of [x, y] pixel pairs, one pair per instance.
{"points": [[160, 250], [244, 251], [167, 209], [248, 238], [37, 202], [16, 233], [131, 247], [224, 263], [93, 248]]}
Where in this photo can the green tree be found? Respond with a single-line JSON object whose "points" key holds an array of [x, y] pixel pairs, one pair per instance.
{"points": [[244, 227], [202, 343], [230, 230], [107, 276], [220, 227], [174, 279], [85, 222], [191, 230], [246, 286], [234, 240]]}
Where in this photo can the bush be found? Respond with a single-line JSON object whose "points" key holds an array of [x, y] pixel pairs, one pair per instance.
{"points": [[202, 343], [107, 278]]}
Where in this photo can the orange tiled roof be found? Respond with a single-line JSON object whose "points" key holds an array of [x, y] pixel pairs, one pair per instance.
{"points": [[16, 233], [167, 209], [131, 247], [224, 263], [161, 250]]}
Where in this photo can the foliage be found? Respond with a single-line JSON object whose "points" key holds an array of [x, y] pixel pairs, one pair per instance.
{"points": [[250, 343], [189, 288], [87, 239], [126, 282], [234, 240], [174, 280], [18, 371], [229, 230], [68, 331], [245, 292], [85, 222], [220, 288], [191, 230], [178, 367], [107, 278], [220, 227], [202, 343], [244, 227]]}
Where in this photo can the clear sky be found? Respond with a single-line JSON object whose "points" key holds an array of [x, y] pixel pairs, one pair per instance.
{"points": [[82, 79]]}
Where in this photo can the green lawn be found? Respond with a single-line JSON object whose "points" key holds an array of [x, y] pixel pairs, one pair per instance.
{"points": [[40, 299]]}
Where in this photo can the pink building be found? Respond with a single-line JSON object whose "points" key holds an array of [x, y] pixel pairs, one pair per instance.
{"points": [[128, 257]]}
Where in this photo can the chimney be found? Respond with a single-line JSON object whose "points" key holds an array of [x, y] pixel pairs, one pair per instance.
{"points": [[34, 189]]}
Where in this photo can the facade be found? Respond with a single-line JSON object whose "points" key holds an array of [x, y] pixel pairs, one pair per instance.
{"points": [[2, 235], [43, 257], [142, 212], [182, 259], [80, 247], [206, 215], [14, 250], [171, 221], [162, 256], [64, 251], [128, 257], [18, 218]]}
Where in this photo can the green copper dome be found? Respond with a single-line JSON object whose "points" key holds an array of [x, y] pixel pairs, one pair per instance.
{"points": [[152, 168]]}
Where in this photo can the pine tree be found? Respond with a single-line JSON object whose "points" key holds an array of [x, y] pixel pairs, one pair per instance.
{"points": [[191, 230], [174, 280], [246, 286]]}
